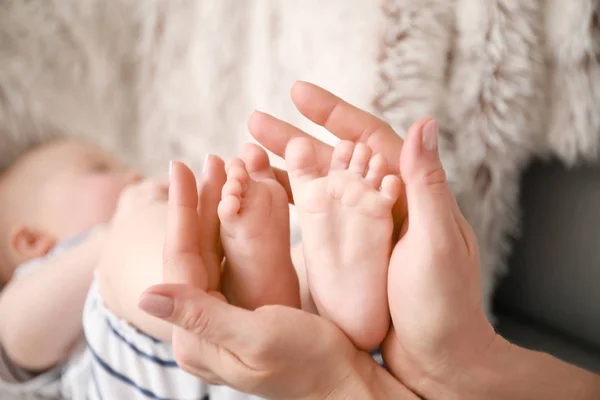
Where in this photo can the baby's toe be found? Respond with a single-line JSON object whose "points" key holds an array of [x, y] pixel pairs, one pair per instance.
{"points": [[235, 162], [229, 207], [238, 173], [301, 159], [377, 170], [232, 187], [340, 159], [360, 159], [391, 187], [257, 162]]}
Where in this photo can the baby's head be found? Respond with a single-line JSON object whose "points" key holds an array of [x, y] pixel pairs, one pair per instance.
{"points": [[54, 191]]}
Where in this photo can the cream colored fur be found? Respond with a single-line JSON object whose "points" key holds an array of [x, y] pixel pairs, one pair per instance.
{"points": [[509, 80]]}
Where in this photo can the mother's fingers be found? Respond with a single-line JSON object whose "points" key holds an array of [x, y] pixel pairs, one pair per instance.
{"points": [[339, 117], [275, 134], [203, 315], [346, 121], [181, 253], [209, 195]]}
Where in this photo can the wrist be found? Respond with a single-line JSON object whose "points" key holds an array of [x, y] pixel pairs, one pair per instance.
{"points": [[468, 379], [487, 377], [365, 379], [351, 381], [507, 371]]}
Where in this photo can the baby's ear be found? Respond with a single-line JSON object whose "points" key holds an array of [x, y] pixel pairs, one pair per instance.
{"points": [[28, 243]]}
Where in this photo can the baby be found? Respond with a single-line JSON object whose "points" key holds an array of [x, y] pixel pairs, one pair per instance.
{"points": [[69, 209], [345, 216], [51, 194]]}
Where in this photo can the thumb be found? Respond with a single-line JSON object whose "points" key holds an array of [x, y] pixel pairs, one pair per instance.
{"points": [[430, 200], [205, 315]]}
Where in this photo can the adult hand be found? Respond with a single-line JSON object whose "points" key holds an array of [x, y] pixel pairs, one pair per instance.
{"points": [[442, 346], [274, 351], [194, 250], [342, 119], [440, 329]]}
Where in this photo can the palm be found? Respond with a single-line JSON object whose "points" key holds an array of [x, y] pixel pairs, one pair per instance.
{"points": [[439, 274]]}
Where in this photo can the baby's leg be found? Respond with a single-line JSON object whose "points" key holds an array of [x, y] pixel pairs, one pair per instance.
{"points": [[255, 232], [131, 355], [131, 263], [346, 223]]}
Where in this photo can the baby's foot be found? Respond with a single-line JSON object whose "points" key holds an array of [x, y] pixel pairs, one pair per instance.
{"points": [[255, 232], [346, 223]]}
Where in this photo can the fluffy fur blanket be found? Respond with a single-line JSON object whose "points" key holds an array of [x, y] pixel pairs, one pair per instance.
{"points": [[509, 80]]}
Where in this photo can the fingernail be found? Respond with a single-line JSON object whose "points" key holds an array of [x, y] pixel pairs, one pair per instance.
{"points": [[430, 135], [157, 305], [170, 170]]}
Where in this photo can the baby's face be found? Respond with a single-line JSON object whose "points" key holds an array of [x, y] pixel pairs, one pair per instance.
{"points": [[82, 188]]}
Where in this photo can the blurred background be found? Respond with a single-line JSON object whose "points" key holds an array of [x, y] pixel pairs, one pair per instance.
{"points": [[161, 80]]}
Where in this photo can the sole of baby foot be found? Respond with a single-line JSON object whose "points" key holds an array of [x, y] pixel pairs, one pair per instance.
{"points": [[255, 235], [346, 222]]}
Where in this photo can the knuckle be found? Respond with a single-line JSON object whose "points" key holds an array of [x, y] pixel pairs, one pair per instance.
{"points": [[196, 321], [436, 179]]}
